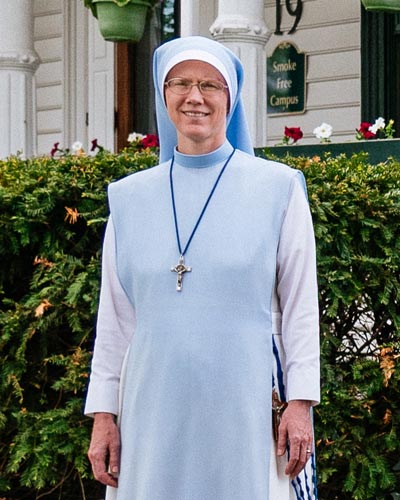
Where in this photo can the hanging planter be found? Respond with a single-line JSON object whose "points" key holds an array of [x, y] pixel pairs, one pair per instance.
{"points": [[382, 5], [120, 20]]}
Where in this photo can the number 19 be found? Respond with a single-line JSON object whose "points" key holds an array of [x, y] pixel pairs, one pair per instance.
{"points": [[293, 11]]}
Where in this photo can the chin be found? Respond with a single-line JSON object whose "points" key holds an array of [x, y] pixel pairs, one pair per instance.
{"points": [[196, 133]]}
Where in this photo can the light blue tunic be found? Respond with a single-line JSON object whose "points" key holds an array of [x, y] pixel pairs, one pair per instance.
{"points": [[195, 420]]}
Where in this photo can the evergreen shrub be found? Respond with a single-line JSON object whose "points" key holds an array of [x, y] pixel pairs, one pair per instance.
{"points": [[356, 214], [52, 215]]}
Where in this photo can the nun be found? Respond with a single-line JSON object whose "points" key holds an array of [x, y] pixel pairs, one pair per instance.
{"points": [[208, 305]]}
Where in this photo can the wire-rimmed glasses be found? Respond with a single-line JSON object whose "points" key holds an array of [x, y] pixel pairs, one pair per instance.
{"points": [[182, 86]]}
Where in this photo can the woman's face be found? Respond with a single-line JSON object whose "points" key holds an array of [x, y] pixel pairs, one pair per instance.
{"points": [[200, 119]]}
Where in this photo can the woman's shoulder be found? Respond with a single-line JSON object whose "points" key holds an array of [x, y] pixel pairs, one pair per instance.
{"points": [[263, 167]]}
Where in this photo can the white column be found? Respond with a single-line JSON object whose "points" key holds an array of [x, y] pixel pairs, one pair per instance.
{"points": [[189, 18], [18, 63], [241, 27], [197, 16]]}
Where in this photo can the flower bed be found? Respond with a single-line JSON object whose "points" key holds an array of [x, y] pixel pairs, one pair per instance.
{"points": [[377, 151], [376, 139]]}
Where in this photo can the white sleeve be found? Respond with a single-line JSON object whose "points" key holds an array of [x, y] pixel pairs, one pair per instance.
{"points": [[298, 297], [115, 326]]}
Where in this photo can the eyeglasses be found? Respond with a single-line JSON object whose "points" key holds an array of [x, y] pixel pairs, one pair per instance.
{"points": [[180, 86]]}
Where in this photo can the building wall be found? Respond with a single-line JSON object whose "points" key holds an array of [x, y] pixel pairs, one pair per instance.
{"points": [[48, 37], [67, 80], [329, 35], [75, 80]]}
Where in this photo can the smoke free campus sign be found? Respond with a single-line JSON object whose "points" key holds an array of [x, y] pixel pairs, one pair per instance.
{"points": [[286, 80]]}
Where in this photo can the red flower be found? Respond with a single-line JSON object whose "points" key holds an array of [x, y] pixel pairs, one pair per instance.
{"points": [[294, 133], [363, 131], [149, 141], [55, 149], [95, 145]]}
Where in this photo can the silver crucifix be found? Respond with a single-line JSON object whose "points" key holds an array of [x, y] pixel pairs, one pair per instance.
{"points": [[180, 269]]}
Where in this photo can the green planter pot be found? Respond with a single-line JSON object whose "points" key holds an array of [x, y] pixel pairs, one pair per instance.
{"points": [[121, 24], [382, 5]]}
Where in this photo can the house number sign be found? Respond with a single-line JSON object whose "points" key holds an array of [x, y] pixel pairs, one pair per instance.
{"points": [[295, 10]]}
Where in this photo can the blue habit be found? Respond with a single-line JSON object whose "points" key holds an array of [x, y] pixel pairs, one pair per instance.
{"points": [[196, 409]]}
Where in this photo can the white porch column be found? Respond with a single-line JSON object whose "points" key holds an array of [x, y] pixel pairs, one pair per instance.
{"points": [[241, 27], [18, 63]]}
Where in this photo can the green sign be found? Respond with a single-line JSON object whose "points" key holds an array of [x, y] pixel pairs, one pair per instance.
{"points": [[286, 80]]}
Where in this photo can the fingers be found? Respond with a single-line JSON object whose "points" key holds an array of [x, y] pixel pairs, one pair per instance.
{"points": [[114, 459], [299, 456], [282, 439], [104, 450], [300, 449], [100, 474], [296, 429], [105, 463]]}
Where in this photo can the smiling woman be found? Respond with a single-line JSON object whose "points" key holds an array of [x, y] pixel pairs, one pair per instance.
{"points": [[194, 399]]}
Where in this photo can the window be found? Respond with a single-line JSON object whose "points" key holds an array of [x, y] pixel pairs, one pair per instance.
{"points": [[380, 67]]}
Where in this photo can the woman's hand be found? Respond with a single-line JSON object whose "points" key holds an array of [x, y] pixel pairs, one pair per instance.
{"points": [[296, 429], [104, 450]]}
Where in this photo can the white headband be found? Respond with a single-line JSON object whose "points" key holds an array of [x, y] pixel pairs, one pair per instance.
{"points": [[199, 55]]}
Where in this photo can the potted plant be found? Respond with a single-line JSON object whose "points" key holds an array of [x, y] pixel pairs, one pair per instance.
{"points": [[382, 5], [121, 20]]}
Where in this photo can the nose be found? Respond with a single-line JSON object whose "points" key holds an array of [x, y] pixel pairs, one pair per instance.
{"points": [[194, 93]]}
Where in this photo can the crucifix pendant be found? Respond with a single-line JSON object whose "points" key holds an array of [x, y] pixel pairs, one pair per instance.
{"points": [[180, 269]]}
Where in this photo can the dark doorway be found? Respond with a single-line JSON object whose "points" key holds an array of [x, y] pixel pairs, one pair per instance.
{"points": [[380, 67], [134, 79]]}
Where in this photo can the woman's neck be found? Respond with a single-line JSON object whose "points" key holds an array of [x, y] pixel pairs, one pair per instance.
{"points": [[204, 160], [199, 148]]}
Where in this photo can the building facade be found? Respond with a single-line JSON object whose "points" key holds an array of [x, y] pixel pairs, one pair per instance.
{"points": [[61, 82]]}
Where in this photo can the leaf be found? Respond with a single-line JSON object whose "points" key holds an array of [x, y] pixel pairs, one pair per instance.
{"points": [[42, 307]]}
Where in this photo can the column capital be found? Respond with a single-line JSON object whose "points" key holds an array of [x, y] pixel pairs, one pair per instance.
{"points": [[25, 61], [236, 28]]}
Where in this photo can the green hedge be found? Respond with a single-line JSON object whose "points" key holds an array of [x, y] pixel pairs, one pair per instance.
{"points": [[52, 214]]}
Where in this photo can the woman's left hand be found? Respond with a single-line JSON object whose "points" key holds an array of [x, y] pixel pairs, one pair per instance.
{"points": [[296, 428]]}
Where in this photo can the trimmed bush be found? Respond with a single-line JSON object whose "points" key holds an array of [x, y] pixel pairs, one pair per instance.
{"points": [[52, 215], [356, 213]]}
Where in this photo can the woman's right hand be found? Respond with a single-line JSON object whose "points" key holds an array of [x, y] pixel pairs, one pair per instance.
{"points": [[104, 450]]}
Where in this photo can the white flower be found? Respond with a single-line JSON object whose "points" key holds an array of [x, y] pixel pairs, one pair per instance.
{"points": [[77, 146], [135, 136], [324, 131], [378, 125], [373, 128]]}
